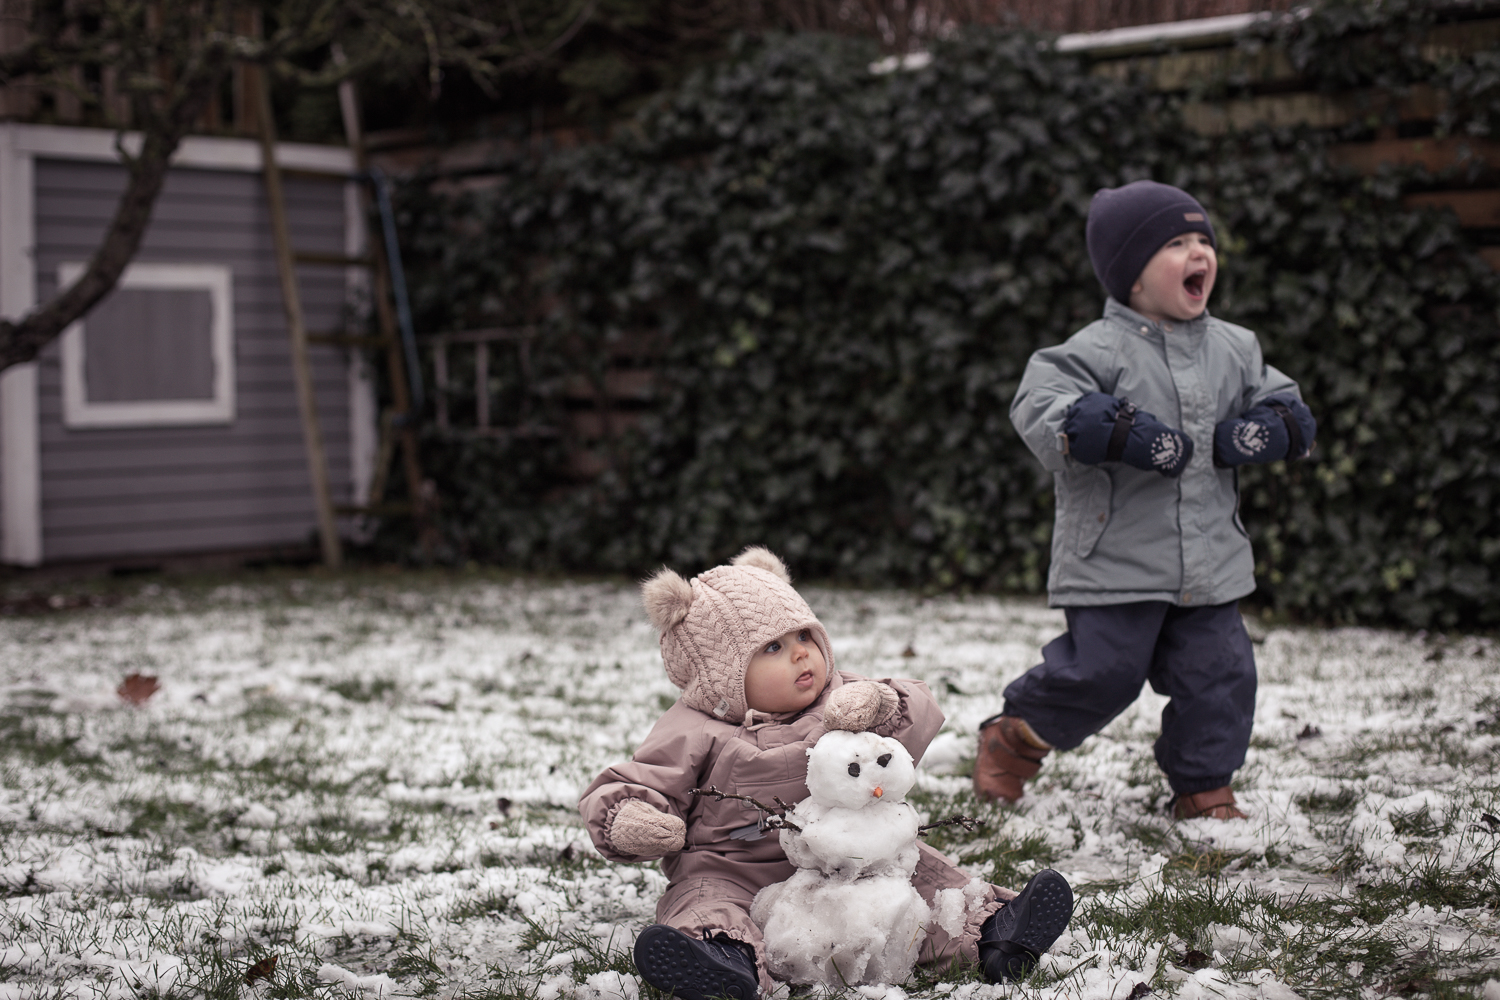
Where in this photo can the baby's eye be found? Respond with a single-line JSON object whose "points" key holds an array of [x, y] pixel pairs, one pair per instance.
{"points": [[804, 636], [774, 647]]}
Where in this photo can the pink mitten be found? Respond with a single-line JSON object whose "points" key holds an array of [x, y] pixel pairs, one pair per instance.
{"points": [[645, 831], [860, 705]]}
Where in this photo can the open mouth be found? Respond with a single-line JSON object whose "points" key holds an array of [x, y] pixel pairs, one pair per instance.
{"points": [[804, 679], [1194, 283]]}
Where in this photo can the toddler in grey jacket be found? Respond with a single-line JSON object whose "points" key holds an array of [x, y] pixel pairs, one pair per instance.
{"points": [[1143, 418]]}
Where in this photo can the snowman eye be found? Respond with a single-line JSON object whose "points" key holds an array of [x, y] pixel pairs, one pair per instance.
{"points": [[854, 770], [883, 759]]}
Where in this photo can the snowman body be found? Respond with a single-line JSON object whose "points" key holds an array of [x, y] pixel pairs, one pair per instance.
{"points": [[849, 915]]}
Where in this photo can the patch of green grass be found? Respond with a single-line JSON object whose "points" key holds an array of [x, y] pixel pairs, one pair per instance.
{"points": [[1144, 773], [326, 838], [169, 819], [1329, 948], [1014, 861], [363, 691], [1416, 824], [421, 966], [261, 709], [165, 756], [23, 739], [1204, 864], [489, 905], [612, 955], [1342, 801], [1435, 746], [1428, 882], [298, 769], [1155, 836], [1182, 907], [534, 936]]}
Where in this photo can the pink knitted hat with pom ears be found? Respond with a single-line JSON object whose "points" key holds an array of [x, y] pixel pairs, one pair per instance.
{"points": [[711, 627]]}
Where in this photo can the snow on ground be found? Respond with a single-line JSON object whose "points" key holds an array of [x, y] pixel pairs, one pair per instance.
{"points": [[373, 780]]}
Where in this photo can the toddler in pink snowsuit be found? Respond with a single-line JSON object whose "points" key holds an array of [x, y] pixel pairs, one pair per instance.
{"points": [[758, 689]]}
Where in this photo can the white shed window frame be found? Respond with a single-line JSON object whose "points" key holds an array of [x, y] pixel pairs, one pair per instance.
{"points": [[79, 412]]}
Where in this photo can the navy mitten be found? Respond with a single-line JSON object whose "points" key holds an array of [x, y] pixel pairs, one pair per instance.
{"points": [[1101, 428], [1278, 427]]}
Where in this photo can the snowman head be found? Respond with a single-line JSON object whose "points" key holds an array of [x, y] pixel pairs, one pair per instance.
{"points": [[852, 770]]}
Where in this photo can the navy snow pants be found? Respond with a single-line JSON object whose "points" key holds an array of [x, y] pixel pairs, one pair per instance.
{"points": [[1199, 657]]}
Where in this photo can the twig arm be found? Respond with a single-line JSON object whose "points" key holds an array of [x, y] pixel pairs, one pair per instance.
{"points": [[771, 818], [712, 790], [968, 823]]}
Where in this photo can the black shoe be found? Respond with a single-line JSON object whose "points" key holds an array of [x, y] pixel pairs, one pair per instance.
{"points": [[1013, 937], [695, 970]]}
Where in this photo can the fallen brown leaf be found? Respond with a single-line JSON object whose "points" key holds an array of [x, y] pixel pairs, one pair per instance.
{"points": [[137, 688], [261, 969]]}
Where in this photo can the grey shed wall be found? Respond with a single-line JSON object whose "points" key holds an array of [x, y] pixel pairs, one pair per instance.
{"points": [[155, 490]]}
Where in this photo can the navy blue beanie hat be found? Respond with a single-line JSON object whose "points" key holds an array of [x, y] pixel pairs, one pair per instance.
{"points": [[1128, 224]]}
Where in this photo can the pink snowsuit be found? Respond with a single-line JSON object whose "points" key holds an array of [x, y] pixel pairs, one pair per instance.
{"points": [[716, 875]]}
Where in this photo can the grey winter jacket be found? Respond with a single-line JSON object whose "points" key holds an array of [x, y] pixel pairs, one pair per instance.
{"points": [[1122, 534]]}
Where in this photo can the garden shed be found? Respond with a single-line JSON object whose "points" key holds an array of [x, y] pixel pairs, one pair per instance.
{"points": [[165, 422]]}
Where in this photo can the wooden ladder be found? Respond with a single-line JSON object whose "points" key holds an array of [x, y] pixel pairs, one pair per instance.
{"points": [[397, 424]]}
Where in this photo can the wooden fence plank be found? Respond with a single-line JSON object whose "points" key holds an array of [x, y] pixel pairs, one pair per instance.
{"points": [[1434, 154], [1475, 209]]}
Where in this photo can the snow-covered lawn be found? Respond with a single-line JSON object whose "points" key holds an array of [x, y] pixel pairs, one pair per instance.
{"points": [[372, 779]]}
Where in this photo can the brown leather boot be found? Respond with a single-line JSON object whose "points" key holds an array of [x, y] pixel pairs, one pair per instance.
{"points": [[1005, 760], [1216, 803]]}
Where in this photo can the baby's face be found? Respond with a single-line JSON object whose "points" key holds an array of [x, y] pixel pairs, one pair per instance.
{"points": [[1178, 280], [787, 675]]}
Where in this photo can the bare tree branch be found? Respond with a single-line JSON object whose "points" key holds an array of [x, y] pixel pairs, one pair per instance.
{"points": [[20, 341], [171, 57]]}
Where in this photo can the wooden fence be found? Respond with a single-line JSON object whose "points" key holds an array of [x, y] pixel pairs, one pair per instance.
{"points": [[1271, 91]]}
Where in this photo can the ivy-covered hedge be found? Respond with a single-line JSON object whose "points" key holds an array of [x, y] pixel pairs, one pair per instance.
{"points": [[845, 273]]}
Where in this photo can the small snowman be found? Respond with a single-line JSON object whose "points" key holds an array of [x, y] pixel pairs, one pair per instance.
{"points": [[849, 915]]}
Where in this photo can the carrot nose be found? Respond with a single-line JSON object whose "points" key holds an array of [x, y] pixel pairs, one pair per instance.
{"points": [[877, 792]]}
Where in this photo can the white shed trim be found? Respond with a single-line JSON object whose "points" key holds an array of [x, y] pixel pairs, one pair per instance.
{"points": [[63, 142], [79, 411], [20, 446], [364, 409], [1198, 31]]}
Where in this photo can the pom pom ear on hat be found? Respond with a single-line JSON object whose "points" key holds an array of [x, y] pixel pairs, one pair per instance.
{"points": [[763, 558], [667, 598]]}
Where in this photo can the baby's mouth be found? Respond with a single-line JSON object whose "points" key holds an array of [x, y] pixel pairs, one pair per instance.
{"points": [[1194, 284]]}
